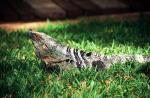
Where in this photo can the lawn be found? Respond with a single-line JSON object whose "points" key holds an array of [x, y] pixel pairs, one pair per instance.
{"points": [[22, 74]]}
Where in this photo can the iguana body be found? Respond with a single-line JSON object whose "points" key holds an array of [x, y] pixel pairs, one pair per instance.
{"points": [[53, 53]]}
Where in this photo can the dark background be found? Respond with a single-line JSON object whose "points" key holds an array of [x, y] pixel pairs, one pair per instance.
{"points": [[25, 10]]}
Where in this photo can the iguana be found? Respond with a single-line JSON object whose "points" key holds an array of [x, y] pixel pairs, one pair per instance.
{"points": [[54, 53]]}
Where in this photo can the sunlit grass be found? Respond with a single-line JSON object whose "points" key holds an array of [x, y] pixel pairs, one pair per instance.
{"points": [[22, 73]]}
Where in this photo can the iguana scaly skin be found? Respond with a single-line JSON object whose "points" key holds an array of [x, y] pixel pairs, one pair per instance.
{"points": [[54, 53]]}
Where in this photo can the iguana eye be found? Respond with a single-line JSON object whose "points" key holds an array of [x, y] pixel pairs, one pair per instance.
{"points": [[89, 54]]}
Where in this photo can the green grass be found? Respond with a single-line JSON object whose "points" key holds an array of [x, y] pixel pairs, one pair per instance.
{"points": [[23, 75]]}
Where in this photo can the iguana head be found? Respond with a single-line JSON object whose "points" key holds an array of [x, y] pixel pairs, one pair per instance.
{"points": [[46, 45], [41, 37], [48, 49]]}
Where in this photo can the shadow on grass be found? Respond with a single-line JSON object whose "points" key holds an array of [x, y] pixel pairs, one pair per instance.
{"points": [[145, 68]]}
